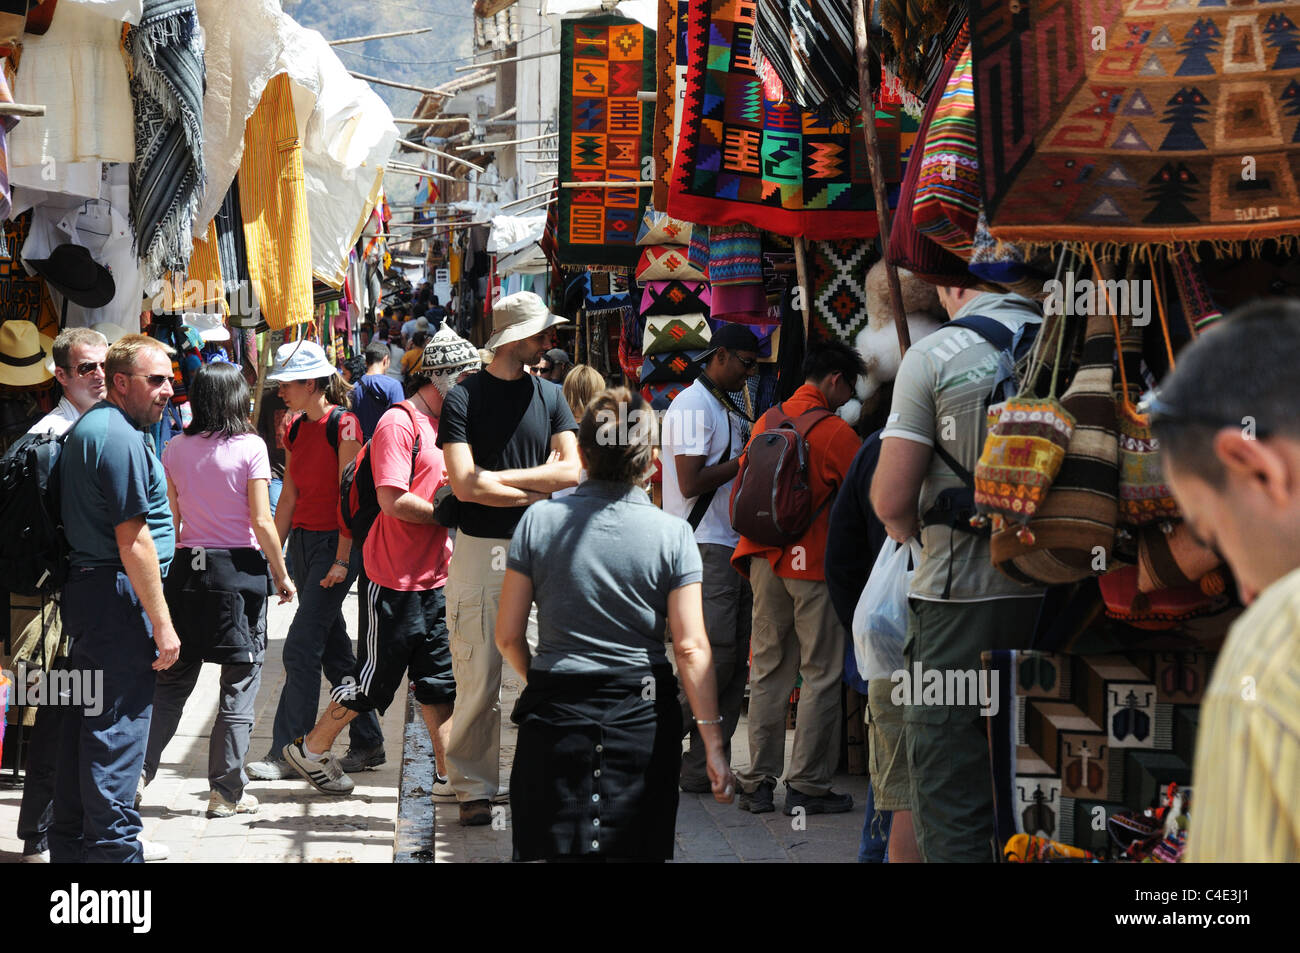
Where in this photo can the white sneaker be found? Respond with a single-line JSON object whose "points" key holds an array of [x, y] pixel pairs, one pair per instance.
{"points": [[442, 790], [37, 857], [139, 791], [325, 775], [154, 850], [218, 806]]}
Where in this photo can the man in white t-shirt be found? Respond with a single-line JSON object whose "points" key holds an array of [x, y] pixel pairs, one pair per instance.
{"points": [[78, 356], [703, 434]]}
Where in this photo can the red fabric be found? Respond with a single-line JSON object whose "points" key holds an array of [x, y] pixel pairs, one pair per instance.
{"points": [[409, 557], [832, 445], [314, 468]]}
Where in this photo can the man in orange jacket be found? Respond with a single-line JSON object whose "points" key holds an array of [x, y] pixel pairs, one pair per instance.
{"points": [[795, 631]]}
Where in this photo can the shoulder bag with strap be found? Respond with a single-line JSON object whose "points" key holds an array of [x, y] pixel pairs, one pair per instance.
{"points": [[705, 500]]}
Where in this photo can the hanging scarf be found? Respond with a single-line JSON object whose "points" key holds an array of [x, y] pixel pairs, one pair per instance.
{"points": [[166, 52]]}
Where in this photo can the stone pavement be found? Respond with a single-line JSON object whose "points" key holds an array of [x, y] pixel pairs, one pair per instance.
{"points": [[295, 824]]}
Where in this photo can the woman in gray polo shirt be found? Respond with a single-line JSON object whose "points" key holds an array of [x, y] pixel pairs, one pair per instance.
{"points": [[600, 730]]}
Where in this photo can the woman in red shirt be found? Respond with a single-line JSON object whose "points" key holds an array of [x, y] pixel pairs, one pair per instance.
{"points": [[322, 439]]}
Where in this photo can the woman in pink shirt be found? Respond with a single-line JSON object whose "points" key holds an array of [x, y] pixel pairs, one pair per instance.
{"points": [[228, 561]]}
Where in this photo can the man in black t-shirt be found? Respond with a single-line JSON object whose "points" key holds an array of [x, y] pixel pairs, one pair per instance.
{"points": [[497, 432]]}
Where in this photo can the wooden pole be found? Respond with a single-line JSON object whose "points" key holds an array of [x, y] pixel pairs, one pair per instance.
{"points": [[389, 82], [412, 121], [415, 170], [380, 36], [421, 147], [21, 109], [610, 184], [263, 354], [489, 64], [860, 14], [801, 273], [480, 146]]}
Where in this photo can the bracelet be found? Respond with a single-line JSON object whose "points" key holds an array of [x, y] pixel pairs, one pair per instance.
{"points": [[708, 721], [344, 564]]}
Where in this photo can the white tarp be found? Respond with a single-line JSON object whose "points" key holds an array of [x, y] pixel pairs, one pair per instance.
{"points": [[510, 233]]}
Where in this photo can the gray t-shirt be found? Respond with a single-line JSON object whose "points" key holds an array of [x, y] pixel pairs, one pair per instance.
{"points": [[602, 562]]}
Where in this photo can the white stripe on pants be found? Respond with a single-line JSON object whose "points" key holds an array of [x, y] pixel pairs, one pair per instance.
{"points": [[478, 567]]}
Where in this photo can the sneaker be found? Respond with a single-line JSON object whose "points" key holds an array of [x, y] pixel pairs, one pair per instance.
{"points": [[760, 800], [139, 791], [442, 790], [154, 850], [218, 806], [362, 759], [475, 813], [270, 769], [325, 775], [34, 853], [828, 803]]}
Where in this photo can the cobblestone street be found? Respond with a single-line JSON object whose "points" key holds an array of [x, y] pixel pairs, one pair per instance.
{"points": [[297, 825]]}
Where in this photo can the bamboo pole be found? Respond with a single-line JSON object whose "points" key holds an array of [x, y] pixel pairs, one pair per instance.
{"points": [[263, 354], [380, 36], [860, 15], [528, 198], [614, 184], [801, 273], [480, 146], [421, 147], [413, 121], [647, 96], [389, 82], [21, 109], [489, 64], [416, 170]]}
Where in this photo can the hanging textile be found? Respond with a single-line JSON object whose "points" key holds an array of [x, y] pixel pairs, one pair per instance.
{"points": [[23, 297], [735, 255], [1185, 131], [274, 208], [205, 272], [166, 54], [604, 133], [912, 51], [670, 86], [742, 157], [7, 124], [837, 274], [809, 46]]}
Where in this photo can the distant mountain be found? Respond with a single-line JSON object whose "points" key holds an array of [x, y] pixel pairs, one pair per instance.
{"points": [[427, 59]]}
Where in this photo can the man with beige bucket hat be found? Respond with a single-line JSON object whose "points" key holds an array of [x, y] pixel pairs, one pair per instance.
{"points": [[498, 430]]}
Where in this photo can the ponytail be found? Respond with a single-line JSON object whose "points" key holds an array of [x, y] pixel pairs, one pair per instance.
{"points": [[336, 390]]}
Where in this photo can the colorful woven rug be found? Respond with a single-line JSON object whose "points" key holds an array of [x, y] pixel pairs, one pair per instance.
{"points": [[744, 158], [604, 133], [1183, 126], [837, 272], [670, 84]]}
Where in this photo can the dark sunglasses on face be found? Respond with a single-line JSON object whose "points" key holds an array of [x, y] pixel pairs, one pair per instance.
{"points": [[747, 363], [86, 368], [155, 380]]}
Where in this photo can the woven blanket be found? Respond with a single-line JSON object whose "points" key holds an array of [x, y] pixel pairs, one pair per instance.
{"points": [[604, 133], [166, 53], [735, 255], [809, 46], [742, 157], [670, 86], [837, 272], [1184, 127]]}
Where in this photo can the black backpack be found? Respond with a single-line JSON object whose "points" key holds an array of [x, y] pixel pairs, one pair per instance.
{"points": [[331, 428], [358, 497], [33, 547]]}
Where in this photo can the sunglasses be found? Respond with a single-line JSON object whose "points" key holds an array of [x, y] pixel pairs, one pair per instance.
{"points": [[86, 368], [747, 363], [155, 380]]}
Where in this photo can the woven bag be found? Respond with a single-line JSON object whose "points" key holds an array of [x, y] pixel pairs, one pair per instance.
{"points": [[665, 333], [1076, 522], [948, 188], [1023, 451]]}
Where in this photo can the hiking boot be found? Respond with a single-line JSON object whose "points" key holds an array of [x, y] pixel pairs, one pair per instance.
{"points": [[218, 806], [475, 813], [760, 800], [442, 792], [270, 769], [325, 775], [362, 759], [828, 803]]}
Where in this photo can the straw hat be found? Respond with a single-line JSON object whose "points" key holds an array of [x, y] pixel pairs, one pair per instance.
{"points": [[24, 354], [519, 316]]}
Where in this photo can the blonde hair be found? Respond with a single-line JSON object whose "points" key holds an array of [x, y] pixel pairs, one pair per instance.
{"points": [[126, 350], [581, 385]]}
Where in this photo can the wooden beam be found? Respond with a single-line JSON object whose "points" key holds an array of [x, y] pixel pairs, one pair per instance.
{"points": [[423, 172], [380, 36], [801, 272], [527, 198], [647, 96], [421, 147], [616, 184], [861, 14], [489, 64], [389, 82], [480, 146]]}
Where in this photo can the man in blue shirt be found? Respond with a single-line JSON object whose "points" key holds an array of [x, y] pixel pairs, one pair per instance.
{"points": [[375, 392], [119, 528]]}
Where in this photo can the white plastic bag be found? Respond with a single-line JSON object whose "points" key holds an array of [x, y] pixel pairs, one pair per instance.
{"points": [[880, 619]]}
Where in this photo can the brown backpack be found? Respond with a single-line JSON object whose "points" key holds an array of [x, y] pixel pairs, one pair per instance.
{"points": [[771, 499]]}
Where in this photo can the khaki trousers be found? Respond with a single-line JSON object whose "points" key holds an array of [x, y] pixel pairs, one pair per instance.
{"points": [[478, 567], [795, 632]]}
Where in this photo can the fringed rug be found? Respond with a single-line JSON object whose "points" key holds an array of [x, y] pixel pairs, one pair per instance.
{"points": [[837, 272], [1150, 121], [744, 158], [604, 132]]}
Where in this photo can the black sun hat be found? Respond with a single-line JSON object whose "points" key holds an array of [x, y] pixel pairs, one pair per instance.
{"points": [[78, 277]]}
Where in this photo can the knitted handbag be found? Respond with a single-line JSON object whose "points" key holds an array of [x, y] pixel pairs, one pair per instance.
{"points": [[672, 367], [1075, 524], [664, 333], [948, 188], [659, 228], [675, 297], [664, 262], [1023, 451], [1164, 608], [1173, 560]]}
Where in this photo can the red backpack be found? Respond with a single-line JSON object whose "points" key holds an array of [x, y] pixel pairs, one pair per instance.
{"points": [[771, 498]]}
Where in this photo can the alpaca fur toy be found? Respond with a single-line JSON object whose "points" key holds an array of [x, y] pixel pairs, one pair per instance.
{"points": [[878, 341]]}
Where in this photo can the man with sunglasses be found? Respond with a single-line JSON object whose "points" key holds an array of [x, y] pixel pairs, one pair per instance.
{"points": [[1230, 447], [78, 356], [121, 537], [703, 434]]}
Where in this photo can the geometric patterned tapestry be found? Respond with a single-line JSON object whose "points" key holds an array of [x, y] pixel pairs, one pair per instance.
{"points": [[742, 158], [1138, 120], [837, 274], [604, 136], [670, 79]]}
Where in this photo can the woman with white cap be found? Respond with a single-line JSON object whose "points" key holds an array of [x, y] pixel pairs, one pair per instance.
{"points": [[320, 442]]}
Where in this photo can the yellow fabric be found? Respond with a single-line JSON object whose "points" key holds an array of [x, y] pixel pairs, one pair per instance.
{"points": [[1246, 781], [273, 199], [205, 270]]}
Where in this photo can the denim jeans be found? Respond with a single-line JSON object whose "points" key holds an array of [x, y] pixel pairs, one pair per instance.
{"points": [[102, 748], [874, 848], [317, 641]]}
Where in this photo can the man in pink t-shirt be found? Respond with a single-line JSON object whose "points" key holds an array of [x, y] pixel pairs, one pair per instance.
{"points": [[406, 553]]}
